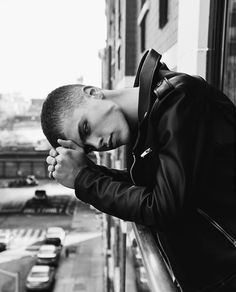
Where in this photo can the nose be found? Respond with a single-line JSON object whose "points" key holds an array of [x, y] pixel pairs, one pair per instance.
{"points": [[95, 142]]}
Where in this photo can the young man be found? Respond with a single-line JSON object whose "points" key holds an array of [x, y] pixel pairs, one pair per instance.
{"points": [[181, 183]]}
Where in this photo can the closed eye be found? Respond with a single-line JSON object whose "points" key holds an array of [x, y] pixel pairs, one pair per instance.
{"points": [[84, 130]]}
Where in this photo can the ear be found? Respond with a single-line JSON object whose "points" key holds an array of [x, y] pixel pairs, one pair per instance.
{"points": [[93, 91]]}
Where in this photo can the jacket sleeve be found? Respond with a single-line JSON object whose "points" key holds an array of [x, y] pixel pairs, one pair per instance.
{"points": [[177, 126], [116, 174]]}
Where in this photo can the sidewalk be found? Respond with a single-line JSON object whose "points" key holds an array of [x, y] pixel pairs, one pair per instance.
{"points": [[83, 269]]}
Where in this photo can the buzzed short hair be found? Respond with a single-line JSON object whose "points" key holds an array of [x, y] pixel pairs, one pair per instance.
{"points": [[56, 108]]}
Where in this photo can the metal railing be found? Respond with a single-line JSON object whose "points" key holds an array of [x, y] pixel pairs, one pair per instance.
{"points": [[160, 279]]}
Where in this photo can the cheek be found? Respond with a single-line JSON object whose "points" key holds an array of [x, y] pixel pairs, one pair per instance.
{"points": [[126, 134]]}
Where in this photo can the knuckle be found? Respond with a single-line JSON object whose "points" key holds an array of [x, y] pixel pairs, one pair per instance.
{"points": [[50, 168], [58, 159], [50, 160], [52, 152], [55, 174], [58, 149], [57, 167]]}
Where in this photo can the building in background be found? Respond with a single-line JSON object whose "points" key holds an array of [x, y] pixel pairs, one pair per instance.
{"points": [[193, 36], [23, 145], [197, 37]]}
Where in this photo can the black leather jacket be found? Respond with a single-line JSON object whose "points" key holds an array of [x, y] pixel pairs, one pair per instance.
{"points": [[182, 181]]}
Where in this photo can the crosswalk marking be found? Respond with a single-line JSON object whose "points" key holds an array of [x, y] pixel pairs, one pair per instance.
{"points": [[19, 235], [21, 232], [14, 232], [41, 232], [24, 233], [28, 232], [36, 233]]}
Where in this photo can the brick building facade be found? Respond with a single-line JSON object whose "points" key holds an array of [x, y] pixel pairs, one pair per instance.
{"points": [[194, 36], [183, 31]]}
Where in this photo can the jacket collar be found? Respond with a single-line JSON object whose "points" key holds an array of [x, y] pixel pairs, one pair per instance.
{"points": [[149, 64]]}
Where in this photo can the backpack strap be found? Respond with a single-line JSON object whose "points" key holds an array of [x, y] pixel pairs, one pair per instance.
{"points": [[149, 65]]}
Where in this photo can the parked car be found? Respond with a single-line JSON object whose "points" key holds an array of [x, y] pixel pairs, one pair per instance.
{"points": [[141, 280], [5, 240], [40, 195], [39, 201], [29, 180], [48, 254], [55, 235], [40, 278]]}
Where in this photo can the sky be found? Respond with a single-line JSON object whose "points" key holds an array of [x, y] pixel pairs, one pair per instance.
{"points": [[48, 43]]}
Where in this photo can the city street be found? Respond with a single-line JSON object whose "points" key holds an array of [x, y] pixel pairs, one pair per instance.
{"points": [[80, 270]]}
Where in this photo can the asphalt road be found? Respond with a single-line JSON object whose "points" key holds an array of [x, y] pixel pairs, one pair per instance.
{"points": [[83, 269]]}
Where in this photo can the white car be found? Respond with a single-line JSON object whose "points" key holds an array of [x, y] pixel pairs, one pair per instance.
{"points": [[55, 235], [40, 278], [48, 254]]}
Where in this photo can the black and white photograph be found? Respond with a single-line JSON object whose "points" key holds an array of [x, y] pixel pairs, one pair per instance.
{"points": [[118, 145]]}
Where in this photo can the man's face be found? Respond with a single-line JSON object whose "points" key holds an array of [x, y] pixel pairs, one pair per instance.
{"points": [[98, 125]]}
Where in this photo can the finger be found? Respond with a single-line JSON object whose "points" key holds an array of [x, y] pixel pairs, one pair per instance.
{"points": [[64, 151], [61, 150], [51, 168], [69, 144], [50, 175], [54, 174], [58, 166], [53, 152], [51, 160]]}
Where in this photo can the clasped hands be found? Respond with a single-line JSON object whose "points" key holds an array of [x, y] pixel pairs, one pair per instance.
{"points": [[65, 162]]}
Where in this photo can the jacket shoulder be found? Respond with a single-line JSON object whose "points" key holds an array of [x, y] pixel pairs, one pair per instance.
{"points": [[170, 80]]}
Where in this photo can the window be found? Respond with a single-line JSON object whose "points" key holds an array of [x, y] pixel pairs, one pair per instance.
{"points": [[145, 5], [163, 13], [221, 67], [118, 57], [119, 19], [143, 35], [109, 67], [229, 72]]}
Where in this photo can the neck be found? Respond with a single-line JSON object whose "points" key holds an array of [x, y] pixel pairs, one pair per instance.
{"points": [[127, 100]]}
